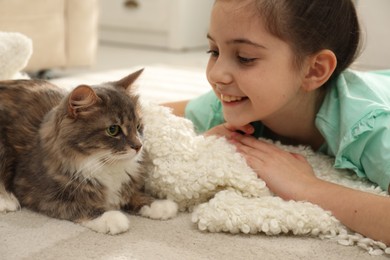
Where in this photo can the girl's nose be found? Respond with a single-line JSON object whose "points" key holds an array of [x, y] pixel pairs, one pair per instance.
{"points": [[219, 72]]}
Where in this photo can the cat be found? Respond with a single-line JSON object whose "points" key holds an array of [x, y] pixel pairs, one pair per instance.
{"points": [[75, 156]]}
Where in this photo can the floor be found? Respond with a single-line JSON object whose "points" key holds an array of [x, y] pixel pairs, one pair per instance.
{"points": [[169, 75]]}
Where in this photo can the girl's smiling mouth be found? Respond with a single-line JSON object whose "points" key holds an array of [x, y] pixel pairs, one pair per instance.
{"points": [[228, 98]]}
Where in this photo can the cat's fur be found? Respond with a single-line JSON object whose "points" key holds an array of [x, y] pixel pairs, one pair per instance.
{"points": [[63, 155]]}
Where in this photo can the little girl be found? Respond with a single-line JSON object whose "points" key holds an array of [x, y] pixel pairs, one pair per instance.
{"points": [[278, 69]]}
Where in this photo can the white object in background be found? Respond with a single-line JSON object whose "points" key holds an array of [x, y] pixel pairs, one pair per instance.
{"points": [[15, 52], [172, 24], [375, 23]]}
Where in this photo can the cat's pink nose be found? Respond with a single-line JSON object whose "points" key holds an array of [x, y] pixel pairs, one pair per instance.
{"points": [[136, 147]]}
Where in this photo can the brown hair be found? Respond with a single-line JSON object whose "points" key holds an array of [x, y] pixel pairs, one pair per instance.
{"points": [[313, 25]]}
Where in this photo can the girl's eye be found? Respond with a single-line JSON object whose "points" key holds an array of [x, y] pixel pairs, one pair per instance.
{"points": [[213, 53], [113, 130], [244, 60]]}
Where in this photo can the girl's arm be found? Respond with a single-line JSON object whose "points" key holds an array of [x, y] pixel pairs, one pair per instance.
{"points": [[291, 177], [362, 212], [178, 107]]}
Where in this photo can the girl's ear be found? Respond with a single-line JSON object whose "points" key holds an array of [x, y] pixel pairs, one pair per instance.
{"points": [[320, 68]]}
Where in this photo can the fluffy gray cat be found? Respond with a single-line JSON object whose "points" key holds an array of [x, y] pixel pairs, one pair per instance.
{"points": [[75, 156]]}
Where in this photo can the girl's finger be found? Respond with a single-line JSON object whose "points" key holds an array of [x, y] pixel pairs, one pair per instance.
{"points": [[246, 129], [251, 141], [252, 152]]}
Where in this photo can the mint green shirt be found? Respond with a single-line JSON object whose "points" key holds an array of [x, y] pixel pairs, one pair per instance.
{"points": [[354, 120]]}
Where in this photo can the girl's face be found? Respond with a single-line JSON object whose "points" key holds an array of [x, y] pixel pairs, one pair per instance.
{"points": [[250, 70]]}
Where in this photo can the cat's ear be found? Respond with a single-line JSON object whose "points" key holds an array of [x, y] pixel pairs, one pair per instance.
{"points": [[127, 81], [80, 100]]}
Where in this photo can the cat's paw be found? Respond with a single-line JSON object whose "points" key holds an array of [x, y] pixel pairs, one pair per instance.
{"points": [[111, 222], [8, 202], [160, 209]]}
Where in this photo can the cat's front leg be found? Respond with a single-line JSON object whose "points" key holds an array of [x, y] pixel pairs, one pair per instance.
{"points": [[8, 202], [160, 209], [149, 207], [110, 222]]}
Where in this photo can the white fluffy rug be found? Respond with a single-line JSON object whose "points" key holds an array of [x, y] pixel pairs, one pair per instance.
{"points": [[206, 175]]}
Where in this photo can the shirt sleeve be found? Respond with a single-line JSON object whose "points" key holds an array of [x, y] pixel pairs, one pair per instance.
{"points": [[205, 112], [369, 154]]}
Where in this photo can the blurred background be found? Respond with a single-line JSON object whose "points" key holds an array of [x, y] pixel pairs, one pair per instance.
{"points": [[78, 36], [375, 23]]}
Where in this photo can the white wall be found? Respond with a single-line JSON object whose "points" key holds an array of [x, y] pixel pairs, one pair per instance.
{"points": [[375, 22], [173, 24]]}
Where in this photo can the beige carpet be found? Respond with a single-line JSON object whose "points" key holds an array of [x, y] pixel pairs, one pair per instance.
{"points": [[27, 235]]}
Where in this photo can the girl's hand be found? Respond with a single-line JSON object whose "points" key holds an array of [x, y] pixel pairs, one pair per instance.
{"points": [[286, 174], [228, 130], [291, 177]]}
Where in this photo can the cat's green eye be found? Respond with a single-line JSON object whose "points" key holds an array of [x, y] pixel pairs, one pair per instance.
{"points": [[113, 130]]}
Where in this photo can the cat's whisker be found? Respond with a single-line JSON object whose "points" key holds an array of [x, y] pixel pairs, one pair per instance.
{"points": [[94, 163], [83, 178], [90, 168], [62, 190], [86, 171], [99, 162], [111, 160]]}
